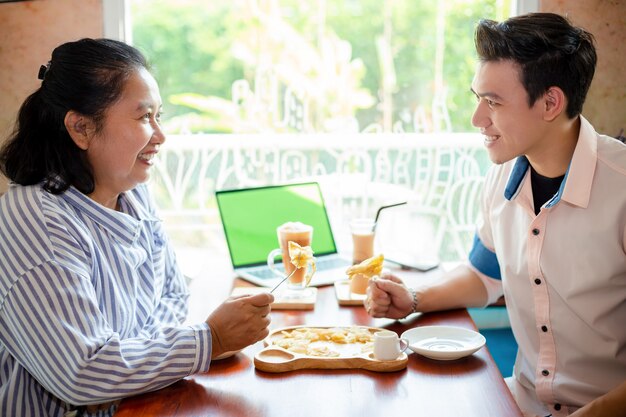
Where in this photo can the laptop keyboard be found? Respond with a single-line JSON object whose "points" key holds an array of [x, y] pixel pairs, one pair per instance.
{"points": [[331, 262], [264, 271]]}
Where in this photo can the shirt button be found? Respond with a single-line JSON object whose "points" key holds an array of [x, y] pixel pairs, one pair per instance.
{"points": [[535, 232], [544, 329], [557, 407], [545, 372], [537, 281]]}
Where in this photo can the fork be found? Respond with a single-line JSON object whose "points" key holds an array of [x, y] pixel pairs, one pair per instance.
{"points": [[283, 280]]}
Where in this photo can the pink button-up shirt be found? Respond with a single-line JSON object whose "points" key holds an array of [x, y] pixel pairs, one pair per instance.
{"points": [[563, 274]]}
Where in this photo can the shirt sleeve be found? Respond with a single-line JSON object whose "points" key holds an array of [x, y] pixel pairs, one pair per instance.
{"points": [[51, 324], [492, 285], [483, 259]]}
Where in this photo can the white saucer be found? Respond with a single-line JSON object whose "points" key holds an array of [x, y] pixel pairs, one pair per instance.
{"points": [[443, 342]]}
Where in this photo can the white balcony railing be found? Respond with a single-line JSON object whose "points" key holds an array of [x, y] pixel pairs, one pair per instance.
{"points": [[440, 174]]}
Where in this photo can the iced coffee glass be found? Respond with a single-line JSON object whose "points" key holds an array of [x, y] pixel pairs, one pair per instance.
{"points": [[297, 232], [362, 239], [358, 285]]}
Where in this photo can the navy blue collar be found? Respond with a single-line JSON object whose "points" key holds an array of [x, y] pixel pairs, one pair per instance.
{"points": [[518, 173]]}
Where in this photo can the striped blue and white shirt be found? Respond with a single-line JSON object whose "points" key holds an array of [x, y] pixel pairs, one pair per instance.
{"points": [[91, 303]]}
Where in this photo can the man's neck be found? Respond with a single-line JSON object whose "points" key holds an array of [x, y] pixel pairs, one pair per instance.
{"points": [[554, 157]]}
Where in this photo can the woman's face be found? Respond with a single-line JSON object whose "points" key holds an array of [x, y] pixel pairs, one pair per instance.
{"points": [[122, 152]]}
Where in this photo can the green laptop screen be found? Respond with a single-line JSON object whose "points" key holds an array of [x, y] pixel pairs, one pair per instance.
{"points": [[250, 217]]}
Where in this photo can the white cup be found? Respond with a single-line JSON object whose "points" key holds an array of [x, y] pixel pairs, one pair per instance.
{"points": [[388, 346]]}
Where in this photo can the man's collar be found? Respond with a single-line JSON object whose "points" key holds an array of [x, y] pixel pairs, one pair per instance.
{"points": [[576, 186], [515, 178]]}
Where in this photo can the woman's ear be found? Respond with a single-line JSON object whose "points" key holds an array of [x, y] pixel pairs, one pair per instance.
{"points": [[554, 102], [80, 128]]}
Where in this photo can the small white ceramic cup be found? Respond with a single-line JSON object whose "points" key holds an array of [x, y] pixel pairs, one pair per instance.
{"points": [[388, 346]]}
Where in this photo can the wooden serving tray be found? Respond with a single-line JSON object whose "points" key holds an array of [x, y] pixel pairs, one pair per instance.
{"points": [[274, 358]]}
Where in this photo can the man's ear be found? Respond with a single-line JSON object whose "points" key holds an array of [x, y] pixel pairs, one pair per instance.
{"points": [[554, 103], [80, 128]]}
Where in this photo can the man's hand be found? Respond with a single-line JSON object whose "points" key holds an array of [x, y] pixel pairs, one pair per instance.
{"points": [[387, 296], [239, 322]]}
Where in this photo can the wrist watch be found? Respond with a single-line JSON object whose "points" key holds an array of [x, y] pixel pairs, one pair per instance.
{"points": [[414, 305]]}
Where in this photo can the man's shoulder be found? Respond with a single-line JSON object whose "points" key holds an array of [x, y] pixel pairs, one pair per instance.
{"points": [[612, 153]]}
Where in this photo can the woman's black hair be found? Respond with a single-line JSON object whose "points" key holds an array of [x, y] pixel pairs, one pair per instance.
{"points": [[549, 51], [86, 76]]}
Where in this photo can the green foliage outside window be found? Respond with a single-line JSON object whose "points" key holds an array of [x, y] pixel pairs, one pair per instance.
{"points": [[198, 49]]}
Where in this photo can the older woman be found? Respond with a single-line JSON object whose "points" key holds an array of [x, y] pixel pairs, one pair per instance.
{"points": [[91, 298]]}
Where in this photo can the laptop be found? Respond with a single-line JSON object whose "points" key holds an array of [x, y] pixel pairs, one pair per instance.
{"points": [[250, 217]]}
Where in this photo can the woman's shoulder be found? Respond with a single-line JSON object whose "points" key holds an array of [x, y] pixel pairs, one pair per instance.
{"points": [[24, 227], [27, 210], [43, 224], [23, 200]]}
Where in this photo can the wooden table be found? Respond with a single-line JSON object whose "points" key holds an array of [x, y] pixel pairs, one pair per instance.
{"points": [[466, 387]]}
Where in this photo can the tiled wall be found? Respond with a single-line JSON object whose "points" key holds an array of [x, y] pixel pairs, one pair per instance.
{"points": [[29, 31]]}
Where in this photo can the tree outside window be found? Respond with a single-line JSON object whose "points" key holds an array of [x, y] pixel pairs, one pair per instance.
{"points": [[289, 66]]}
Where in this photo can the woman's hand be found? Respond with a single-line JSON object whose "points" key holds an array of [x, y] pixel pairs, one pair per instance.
{"points": [[239, 322], [387, 296]]}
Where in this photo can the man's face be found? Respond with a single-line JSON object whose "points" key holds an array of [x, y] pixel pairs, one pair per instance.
{"points": [[510, 126]]}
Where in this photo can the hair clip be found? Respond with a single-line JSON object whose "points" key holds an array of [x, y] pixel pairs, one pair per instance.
{"points": [[43, 70]]}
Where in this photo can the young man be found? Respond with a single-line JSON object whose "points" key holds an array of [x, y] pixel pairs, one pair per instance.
{"points": [[553, 234]]}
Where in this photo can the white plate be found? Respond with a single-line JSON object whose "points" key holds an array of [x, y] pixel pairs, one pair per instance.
{"points": [[443, 342]]}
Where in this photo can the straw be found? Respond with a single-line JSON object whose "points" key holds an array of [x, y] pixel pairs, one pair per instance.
{"points": [[283, 280], [381, 209]]}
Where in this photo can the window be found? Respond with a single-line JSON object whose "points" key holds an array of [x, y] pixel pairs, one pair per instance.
{"points": [[321, 66], [371, 98]]}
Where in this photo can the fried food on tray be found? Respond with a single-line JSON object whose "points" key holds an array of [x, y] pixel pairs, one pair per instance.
{"points": [[316, 341]]}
